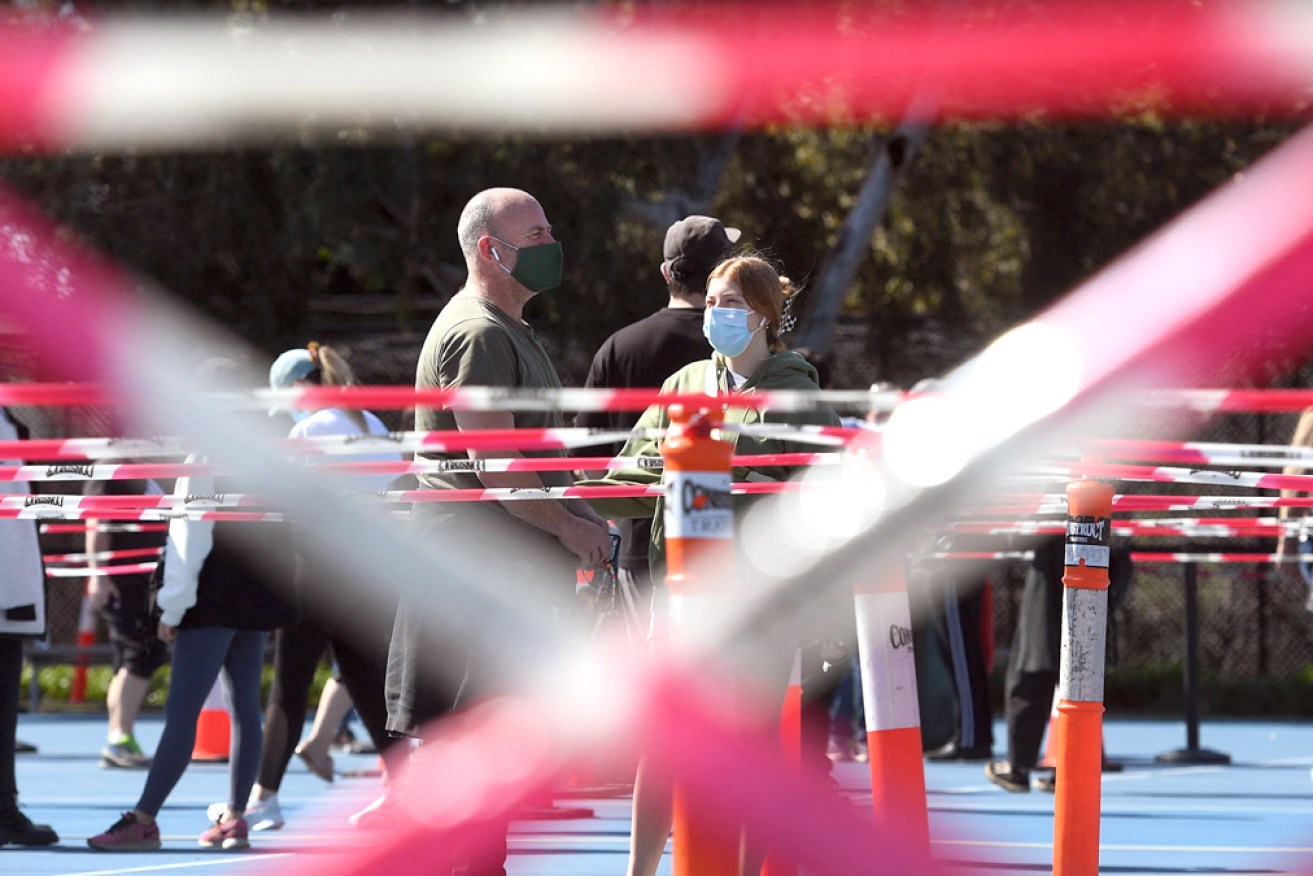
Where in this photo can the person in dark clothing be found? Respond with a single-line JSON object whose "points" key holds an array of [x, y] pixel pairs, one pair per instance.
{"points": [[1036, 651], [22, 615], [957, 592], [643, 354], [226, 584], [124, 602]]}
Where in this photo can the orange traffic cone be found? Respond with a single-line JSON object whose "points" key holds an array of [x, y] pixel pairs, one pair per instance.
{"points": [[213, 731], [1050, 758], [86, 638]]}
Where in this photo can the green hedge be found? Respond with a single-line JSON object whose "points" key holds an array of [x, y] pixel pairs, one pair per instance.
{"points": [[1140, 691], [57, 682]]}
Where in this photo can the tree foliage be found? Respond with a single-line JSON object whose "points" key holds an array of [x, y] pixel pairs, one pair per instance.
{"points": [[987, 226]]}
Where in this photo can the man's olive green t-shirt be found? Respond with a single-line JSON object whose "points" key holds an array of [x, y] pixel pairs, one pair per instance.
{"points": [[475, 343]]}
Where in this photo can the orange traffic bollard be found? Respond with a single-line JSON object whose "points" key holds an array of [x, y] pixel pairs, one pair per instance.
{"points": [[791, 746], [1050, 757], [1080, 680], [699, 534], [893, 718], [213, 728], [86, 637]]}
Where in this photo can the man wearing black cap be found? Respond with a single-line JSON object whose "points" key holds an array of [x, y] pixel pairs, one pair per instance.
{"points": [[643, 354]]}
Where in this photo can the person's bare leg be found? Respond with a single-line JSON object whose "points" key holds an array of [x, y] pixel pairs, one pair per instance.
{"points": [[123, 699], [653, 802], [334, 703]]}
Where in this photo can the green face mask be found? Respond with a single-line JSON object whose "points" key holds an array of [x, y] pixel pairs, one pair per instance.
{"points": [[537, 268]]}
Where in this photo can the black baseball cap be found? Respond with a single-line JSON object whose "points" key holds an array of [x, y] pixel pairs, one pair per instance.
{"points": [[694, 245]]}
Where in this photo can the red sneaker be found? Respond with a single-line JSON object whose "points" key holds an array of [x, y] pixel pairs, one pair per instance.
{"points": [[127, 835], [226, 835]]}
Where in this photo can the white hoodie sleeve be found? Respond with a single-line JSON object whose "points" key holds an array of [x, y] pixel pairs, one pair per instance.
{"points": [[185, 551]]}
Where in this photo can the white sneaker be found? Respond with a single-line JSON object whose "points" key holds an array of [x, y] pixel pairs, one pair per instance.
{"points": [[260, 814]]}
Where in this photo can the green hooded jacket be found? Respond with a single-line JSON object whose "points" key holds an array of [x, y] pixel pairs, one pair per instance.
{"points": [[783, 370]]}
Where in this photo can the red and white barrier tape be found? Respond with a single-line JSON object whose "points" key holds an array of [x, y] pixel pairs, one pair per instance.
{"points": [[1233, 401], [136, 471], [85, 572], [93, 85], [483, 398], [452, 441], [146, 515], [1136, 556], [1057, 504], [100, 526], [220, 505], [1166, 557], [1138, 529], [104, 556], [1201, 453], [1166, 474]]}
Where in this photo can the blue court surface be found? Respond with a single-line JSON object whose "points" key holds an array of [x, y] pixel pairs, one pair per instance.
{"points": [[1252, 816]]}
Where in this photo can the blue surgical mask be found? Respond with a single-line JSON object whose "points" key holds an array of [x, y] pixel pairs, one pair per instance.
{"points": [[727, 329]]}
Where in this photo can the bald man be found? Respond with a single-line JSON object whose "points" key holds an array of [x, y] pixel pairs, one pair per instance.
{"points": [[481, 339]]}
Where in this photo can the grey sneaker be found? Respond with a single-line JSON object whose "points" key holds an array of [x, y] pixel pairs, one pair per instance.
{"points": [[125, 754]]}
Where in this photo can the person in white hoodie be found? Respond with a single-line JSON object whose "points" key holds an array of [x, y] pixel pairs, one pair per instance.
{"points": [[225, 586], [359, 648], [22, 615]]}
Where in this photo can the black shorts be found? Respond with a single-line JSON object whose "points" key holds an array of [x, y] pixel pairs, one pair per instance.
{"points": [[133, 630]]}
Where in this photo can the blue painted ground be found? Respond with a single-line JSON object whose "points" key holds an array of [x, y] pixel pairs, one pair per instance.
{"points": [[1254, 816]]}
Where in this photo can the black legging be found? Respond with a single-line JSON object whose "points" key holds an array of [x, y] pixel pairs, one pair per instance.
{"points": [[297, 652], [11, 668]]}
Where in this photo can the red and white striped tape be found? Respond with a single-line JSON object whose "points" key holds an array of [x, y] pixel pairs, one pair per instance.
{"points": [[135, 471], [470, 398], [450, 441], [104, 556], [1172, 475], [221, 506], [85, 572], [484, 398], [94, 85], [1136, 556], [1201, 453], [100, 526], [1131, 528], [1057, 504]]}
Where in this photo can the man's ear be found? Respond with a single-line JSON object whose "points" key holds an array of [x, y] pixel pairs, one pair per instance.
{"points": [[665, 273]]}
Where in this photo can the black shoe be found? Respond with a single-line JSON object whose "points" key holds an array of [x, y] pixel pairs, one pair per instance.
{"points": [[1003, 774], [1047, 782], [17, 829], [951, 751], [21, 747]]}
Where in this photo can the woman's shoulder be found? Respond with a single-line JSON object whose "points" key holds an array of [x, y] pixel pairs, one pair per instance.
{"points": [[329, 421], [693, 372]]}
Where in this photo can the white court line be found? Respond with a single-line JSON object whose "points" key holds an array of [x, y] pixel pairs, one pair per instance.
{"points": [[1238, 850], [220, 862]]}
